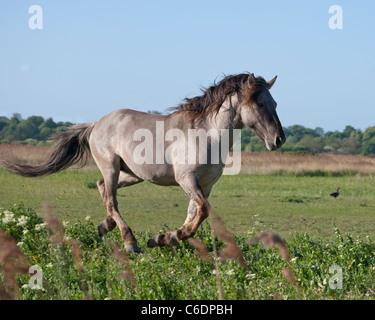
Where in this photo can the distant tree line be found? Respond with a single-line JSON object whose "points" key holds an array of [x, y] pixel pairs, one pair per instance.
{"points": [[33, 130], [301, 139], [37, 130]]}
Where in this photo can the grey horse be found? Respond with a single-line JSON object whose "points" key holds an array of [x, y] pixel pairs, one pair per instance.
{"points": [[129, 147]]}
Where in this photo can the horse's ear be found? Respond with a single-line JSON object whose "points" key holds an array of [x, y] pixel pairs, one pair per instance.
{"points": [[271, 82], [250, 79]]}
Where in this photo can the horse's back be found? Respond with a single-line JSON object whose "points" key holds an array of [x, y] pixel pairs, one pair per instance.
{"points": [[119, 133]]}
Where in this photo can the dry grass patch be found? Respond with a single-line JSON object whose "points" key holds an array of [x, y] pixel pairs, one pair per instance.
{"points": [[273, 162]]}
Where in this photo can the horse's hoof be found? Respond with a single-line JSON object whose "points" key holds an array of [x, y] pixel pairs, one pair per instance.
{"points": [[132, 247], [102, 230], [153, 242], [173, 241]]}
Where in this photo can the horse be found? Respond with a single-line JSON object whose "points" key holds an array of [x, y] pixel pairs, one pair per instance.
{"points": [[125, 143]]}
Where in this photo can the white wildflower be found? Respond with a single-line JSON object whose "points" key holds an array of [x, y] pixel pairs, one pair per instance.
{"points": [[25, 231], [20, 243], [293, 259], [40, 226], [50, 265], [22, 221], [230, 272], [87, 218], [8, 217], [251, 276]]}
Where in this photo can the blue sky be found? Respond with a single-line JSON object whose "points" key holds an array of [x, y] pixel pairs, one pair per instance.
{"points": [[92, 57]]}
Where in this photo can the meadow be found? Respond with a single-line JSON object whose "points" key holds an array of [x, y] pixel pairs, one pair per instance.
{"points": [[286, 194]]}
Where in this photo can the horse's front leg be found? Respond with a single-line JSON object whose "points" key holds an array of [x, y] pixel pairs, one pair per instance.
{"points": [[198, 211]]}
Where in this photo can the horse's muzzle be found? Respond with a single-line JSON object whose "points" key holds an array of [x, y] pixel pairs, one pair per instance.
{"points": [[276, 144], [279, 141]]}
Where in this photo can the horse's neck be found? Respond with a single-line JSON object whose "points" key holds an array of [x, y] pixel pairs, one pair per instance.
{"points": [[228, 117], [227, 122]]}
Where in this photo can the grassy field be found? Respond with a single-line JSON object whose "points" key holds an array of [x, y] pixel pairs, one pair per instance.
{"points": [[286, 204], [292, 201], [76, 264]]}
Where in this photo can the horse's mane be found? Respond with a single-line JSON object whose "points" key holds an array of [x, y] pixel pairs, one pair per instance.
{"points": [[210, 102]]}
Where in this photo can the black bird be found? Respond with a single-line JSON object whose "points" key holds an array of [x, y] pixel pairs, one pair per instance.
{"points": [[335, 194]]}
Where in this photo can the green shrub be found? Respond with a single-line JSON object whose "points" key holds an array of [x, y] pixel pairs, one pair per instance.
{"points": [[81, 265]]}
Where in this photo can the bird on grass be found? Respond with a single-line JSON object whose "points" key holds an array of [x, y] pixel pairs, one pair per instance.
{"points": [[335, 194]]}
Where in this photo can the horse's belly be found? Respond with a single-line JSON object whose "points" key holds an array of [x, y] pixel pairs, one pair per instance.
{"points": [[162, 175]]}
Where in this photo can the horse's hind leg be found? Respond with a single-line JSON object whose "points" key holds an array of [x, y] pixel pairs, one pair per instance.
{"points": [[108, 224], [111, 172], [125, 180], [198, 211]]}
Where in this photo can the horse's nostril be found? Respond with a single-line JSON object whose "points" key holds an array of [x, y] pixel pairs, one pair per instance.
{"points": [[279, 141]]}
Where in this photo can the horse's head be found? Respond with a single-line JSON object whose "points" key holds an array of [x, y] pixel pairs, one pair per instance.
{"points": [[258, 111]]}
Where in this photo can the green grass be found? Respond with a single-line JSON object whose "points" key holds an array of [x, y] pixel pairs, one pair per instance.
{"points": [[179, 273], [320, 232], [286, 204]]}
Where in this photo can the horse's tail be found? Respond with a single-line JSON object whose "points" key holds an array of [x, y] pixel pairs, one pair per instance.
{"points": [[71, 147]]}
